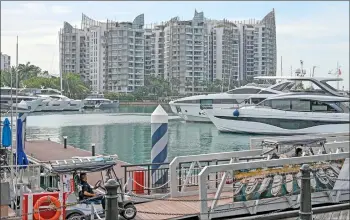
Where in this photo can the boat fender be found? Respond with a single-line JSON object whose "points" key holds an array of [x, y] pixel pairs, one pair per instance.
{"points": [[236, 113]]}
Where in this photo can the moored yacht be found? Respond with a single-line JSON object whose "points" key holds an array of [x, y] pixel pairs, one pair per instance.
{"points": [[193, 108], [287, 114], [21, 101], [98, 101], [54, 100]]}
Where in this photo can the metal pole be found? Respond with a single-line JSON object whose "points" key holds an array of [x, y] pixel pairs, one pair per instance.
{"points": [[93, 149], [337, 75], [11, 157], [305, 212], [111, 196], [65, 142]]}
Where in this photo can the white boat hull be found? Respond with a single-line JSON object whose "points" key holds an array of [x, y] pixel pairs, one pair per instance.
{"points": [[224, 120], [74, 105], [53, 105]]}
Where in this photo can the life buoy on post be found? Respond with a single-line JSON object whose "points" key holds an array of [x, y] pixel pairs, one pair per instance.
{"points": [[51, 200]]}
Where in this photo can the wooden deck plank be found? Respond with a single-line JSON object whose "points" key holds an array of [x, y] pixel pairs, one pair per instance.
{"points": [[175, 206]]}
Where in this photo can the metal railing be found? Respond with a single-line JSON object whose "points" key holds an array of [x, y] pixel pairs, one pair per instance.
{"points": [[183, 170], [130, 171]]}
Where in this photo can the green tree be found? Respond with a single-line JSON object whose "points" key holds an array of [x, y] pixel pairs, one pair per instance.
{"points": [[73, 86], [23, 72]]}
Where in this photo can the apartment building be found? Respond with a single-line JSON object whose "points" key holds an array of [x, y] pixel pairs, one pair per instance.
{"points": [[186, 54], [5, 62], [117, 56], [224, 51], [109, 56], [258, 52]]}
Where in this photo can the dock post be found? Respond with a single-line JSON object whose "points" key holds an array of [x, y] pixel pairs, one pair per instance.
{"points": [[65, 142], [111, 196], [93, 149], [159, 152], [305, 212]]}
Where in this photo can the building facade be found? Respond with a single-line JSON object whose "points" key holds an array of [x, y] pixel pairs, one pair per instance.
{"points": [[5, 62], [189, 54]]}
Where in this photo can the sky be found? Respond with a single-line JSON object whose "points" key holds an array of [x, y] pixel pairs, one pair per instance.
{"points": [[316, 32]]}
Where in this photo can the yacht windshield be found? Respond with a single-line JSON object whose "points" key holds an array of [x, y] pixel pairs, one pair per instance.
{"points": [[329, 86]]}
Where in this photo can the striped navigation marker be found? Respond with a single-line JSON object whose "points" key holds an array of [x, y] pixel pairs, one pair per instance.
{"points": [[159, 152]]}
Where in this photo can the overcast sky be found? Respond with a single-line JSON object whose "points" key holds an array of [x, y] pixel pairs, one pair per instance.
{"points": [[315, 32]]}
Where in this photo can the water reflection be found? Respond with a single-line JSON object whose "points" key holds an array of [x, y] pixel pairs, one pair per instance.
{"points": [[128, 135]]}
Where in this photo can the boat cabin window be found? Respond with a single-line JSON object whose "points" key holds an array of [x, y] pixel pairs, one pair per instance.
{"points": [[266, 92], [317, 106], [280, 104], [225, 101], [301, 105], [188, 101], [282, 86], [206, 104], [256, 100], [304, 105], [244, 91]]}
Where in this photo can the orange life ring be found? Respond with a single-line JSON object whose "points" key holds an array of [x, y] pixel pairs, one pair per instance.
{"points": [[51, 200]]}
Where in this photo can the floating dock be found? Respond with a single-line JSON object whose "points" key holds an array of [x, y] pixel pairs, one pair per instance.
{"points": [[200, 195]]}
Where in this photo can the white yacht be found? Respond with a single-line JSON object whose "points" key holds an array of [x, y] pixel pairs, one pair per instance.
{"points": [[288, 114], [24, 101], [55, 101], [97, 101], [193, 108]]}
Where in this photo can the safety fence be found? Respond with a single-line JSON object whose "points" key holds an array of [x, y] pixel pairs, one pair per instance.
{"points": [[138, 177]]}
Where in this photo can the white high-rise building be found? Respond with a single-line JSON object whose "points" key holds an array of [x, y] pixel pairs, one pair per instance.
{"points": [[109, 56], [5, 62], [189, 54], [224, 51], [258, 53], [186, 54]]}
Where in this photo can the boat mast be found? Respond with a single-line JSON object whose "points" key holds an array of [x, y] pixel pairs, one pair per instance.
{"points": [[281, 67], [337, 75]]}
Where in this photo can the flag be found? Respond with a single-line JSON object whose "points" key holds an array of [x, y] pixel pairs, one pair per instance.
{"points": [[339, 72]]}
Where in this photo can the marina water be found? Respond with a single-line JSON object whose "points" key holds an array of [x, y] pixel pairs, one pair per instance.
{"points": [[127, 133]]}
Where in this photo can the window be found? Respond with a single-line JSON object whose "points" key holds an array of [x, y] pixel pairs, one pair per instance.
{"points": [[266, 92], [206, 104], [256, 100], [301, 105], [280, 87], [178, 109], [225, 101], [317, 106], [244, 91], [280, 104]]}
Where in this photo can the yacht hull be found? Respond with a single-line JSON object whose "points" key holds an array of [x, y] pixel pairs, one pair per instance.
{"points": [[48, 105], [74, 105], [261, 121]]}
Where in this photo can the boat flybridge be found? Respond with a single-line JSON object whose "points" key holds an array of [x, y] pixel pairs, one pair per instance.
{"points": [[287, 114], [55, 101], [193, 108], [22, 102]]}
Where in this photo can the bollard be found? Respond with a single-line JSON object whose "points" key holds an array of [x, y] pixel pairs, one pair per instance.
{"points": [[305, 212], [65, 142], [93, 149], [159, 152], [111, 197]]}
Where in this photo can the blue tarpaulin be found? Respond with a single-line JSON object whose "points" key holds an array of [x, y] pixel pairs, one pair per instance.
{"points": [[21, 156], [6, 134]]}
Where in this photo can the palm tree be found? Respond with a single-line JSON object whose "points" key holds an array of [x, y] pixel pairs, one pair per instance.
{"points": [[28, 70]]}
